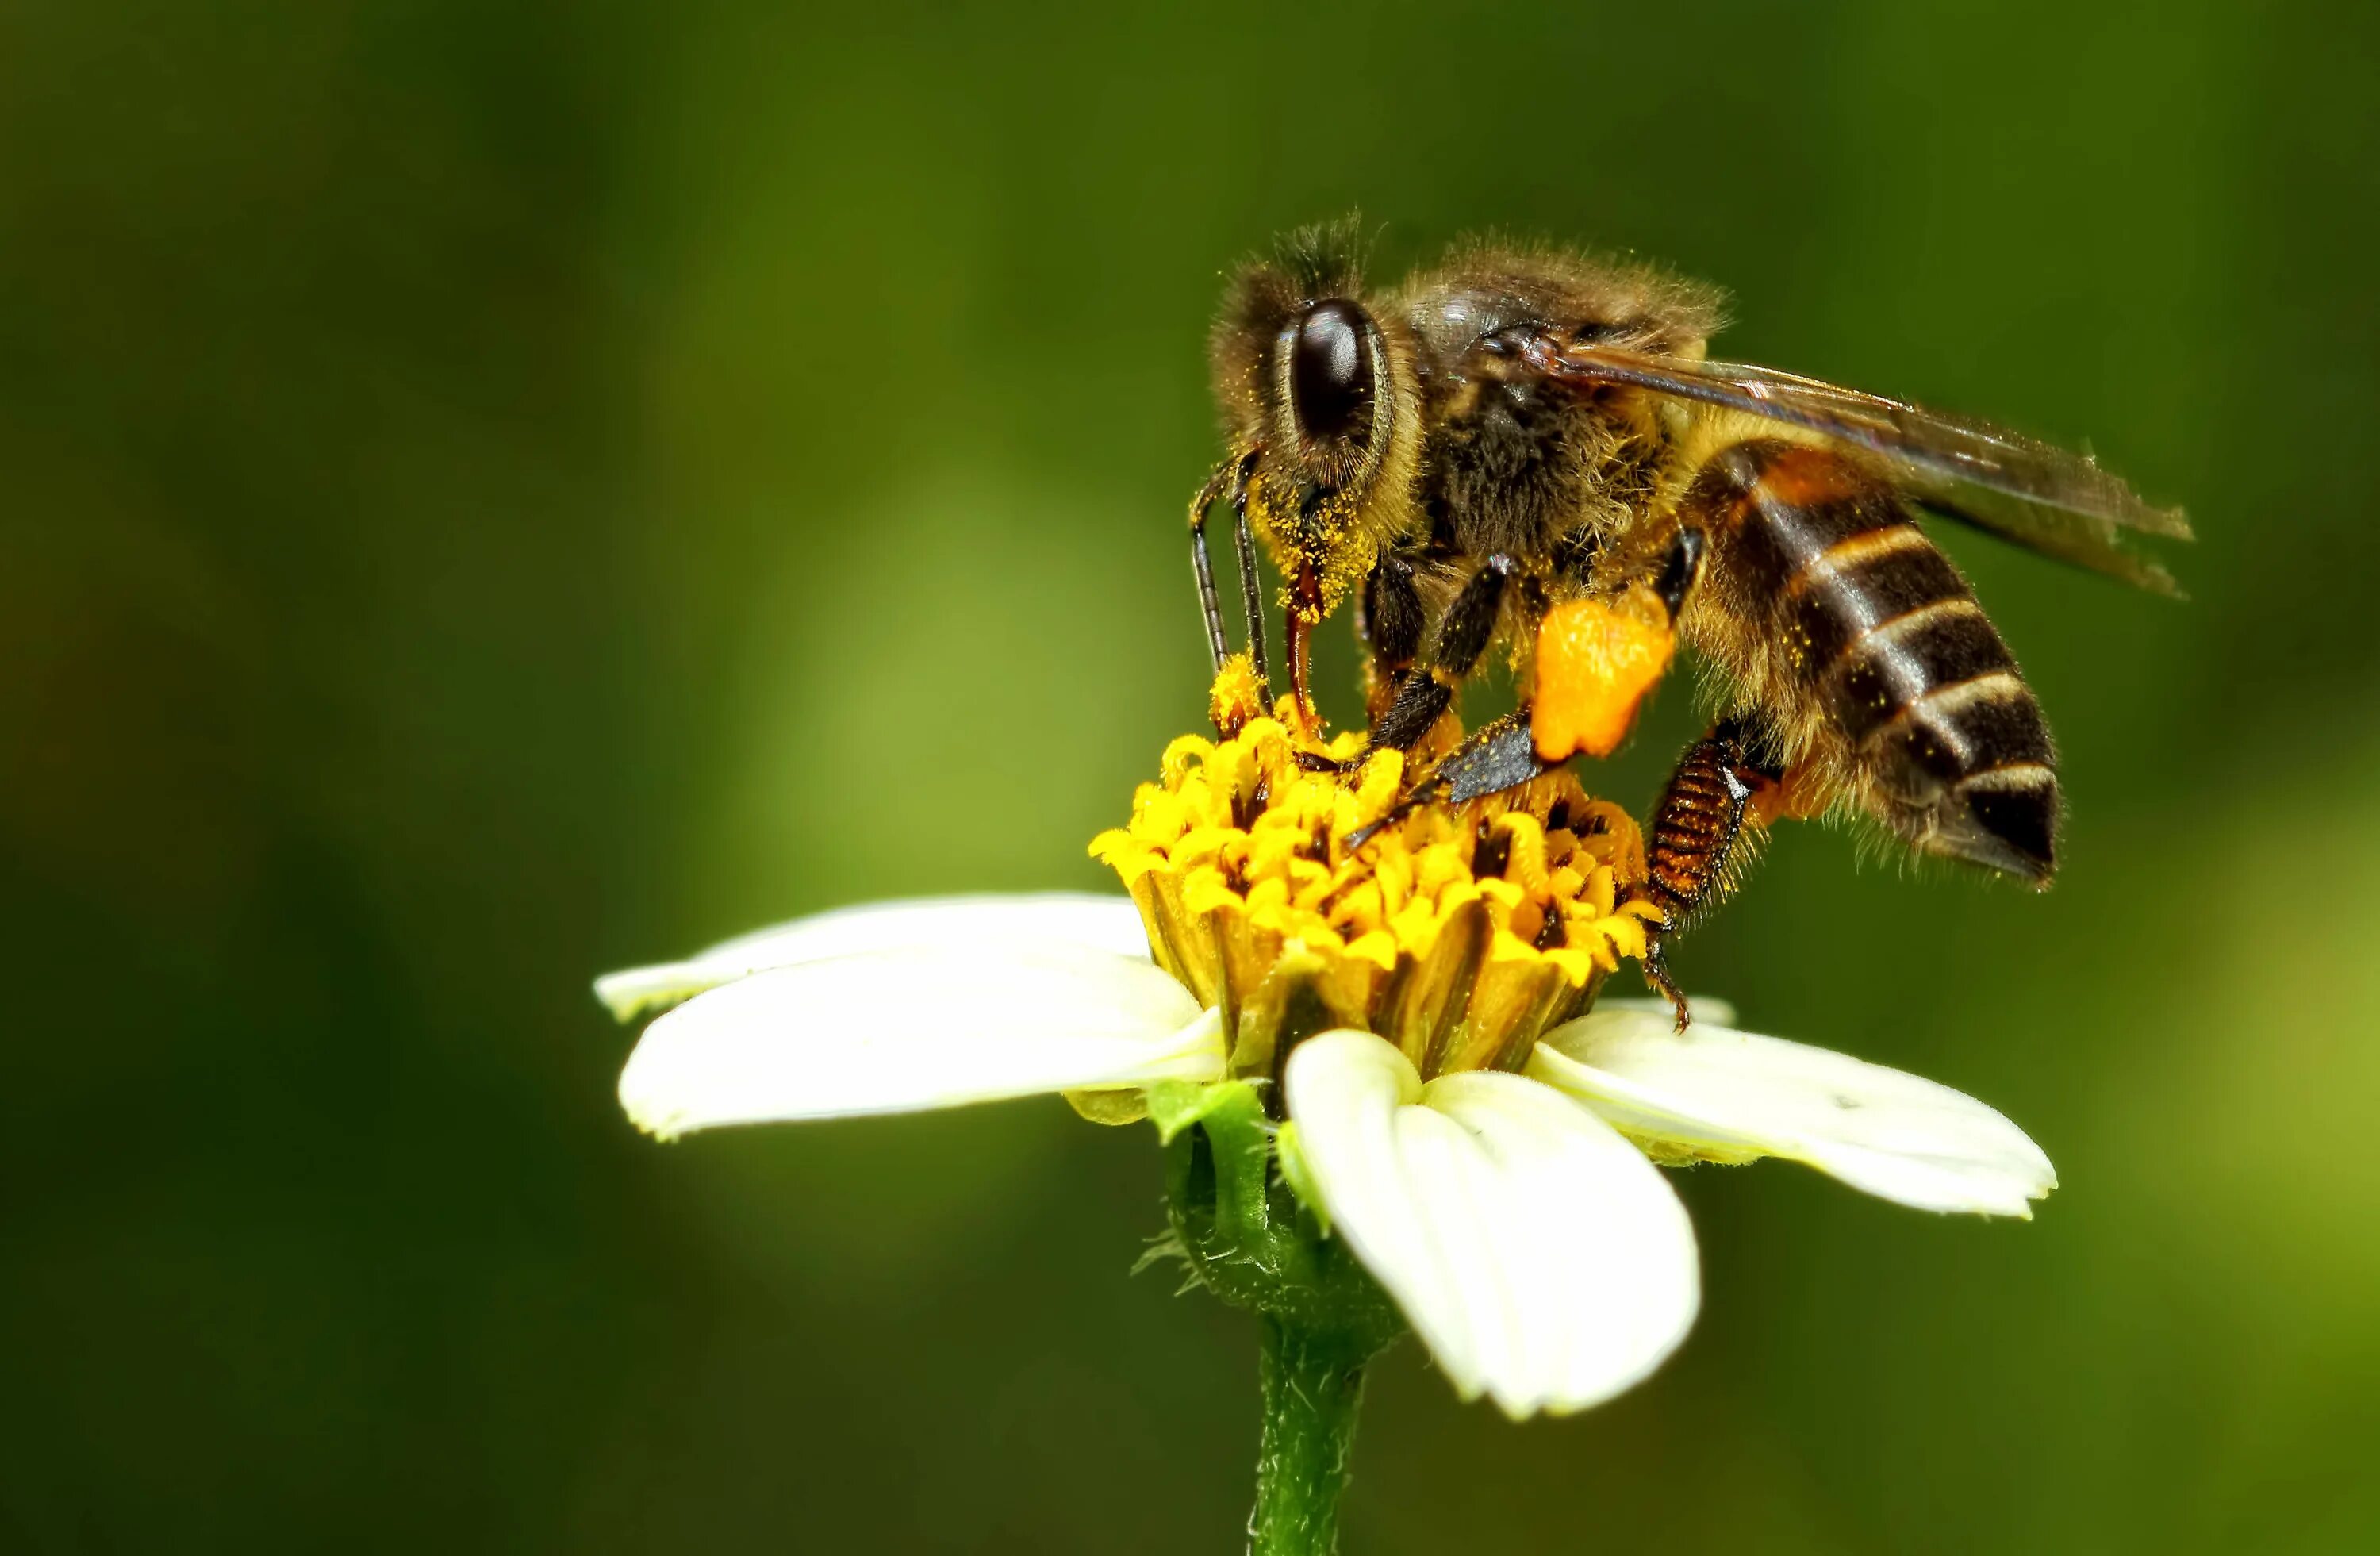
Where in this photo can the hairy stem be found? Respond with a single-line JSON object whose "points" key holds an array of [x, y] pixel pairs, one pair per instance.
{"points": [[1313, 1383]]}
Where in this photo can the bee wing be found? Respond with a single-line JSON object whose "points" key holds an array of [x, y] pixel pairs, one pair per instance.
{"points": [[2041, 497]]}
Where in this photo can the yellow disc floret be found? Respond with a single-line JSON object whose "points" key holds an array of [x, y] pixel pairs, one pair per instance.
{"points": [[1459, 932]]}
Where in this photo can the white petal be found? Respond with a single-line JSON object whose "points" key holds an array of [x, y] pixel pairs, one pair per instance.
{"points": [[1735, 1095], [896, 1031], [1544, 1261], [1101, 921]]}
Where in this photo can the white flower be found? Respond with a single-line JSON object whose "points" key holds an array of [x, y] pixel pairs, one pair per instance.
{"points": [[1516, 1218]]}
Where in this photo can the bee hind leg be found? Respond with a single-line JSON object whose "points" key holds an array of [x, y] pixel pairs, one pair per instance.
{"points": [[1705, 831]]}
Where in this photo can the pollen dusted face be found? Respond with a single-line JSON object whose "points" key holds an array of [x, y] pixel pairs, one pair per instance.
{"points": [[1321, 410]]}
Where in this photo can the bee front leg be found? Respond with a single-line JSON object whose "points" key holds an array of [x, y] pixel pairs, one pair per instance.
{"points": [[1202, 566], [1232, 477]]}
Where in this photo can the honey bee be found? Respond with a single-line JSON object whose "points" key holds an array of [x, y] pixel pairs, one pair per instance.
{"points": [[1530, 448]]}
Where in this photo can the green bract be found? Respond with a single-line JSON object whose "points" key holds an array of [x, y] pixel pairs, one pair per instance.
{"points": [[1244, 1230]]}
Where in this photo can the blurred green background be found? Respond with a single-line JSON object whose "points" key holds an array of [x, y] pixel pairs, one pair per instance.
{"points": [[497, 491]]}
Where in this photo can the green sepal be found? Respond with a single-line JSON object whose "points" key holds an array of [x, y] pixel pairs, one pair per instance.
{"points": [[1247, 1234], [1175, 1105]]}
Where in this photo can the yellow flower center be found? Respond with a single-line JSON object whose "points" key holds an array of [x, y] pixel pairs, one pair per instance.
{"points": [[1461, 933]]}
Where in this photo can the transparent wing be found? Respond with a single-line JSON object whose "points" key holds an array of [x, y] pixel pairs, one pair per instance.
{"points": [[2047, 499]]}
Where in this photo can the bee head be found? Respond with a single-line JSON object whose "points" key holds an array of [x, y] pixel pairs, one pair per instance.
{"points": [[1310, 380]]}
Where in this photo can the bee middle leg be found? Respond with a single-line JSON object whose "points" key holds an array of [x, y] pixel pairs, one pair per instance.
{"points": [[1505, 752], [1499, 754], [1391, 621], [1415, 695], [1462, 635]]}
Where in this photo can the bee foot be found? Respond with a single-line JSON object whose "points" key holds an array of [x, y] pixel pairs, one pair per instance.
{"points": [[1657, 973]]}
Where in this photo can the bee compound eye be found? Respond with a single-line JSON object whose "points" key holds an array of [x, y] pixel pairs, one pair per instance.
{"points": [[1330, 372]]}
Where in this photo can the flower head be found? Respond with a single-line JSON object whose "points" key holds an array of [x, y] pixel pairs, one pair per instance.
{"points": [[1392, 1050], [1460, 934]]}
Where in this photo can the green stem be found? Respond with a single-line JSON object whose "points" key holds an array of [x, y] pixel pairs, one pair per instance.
{"points": [[1313, 1382]]}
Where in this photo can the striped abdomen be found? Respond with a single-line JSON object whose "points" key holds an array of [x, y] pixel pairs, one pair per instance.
{"points": [[1872, 623]]}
